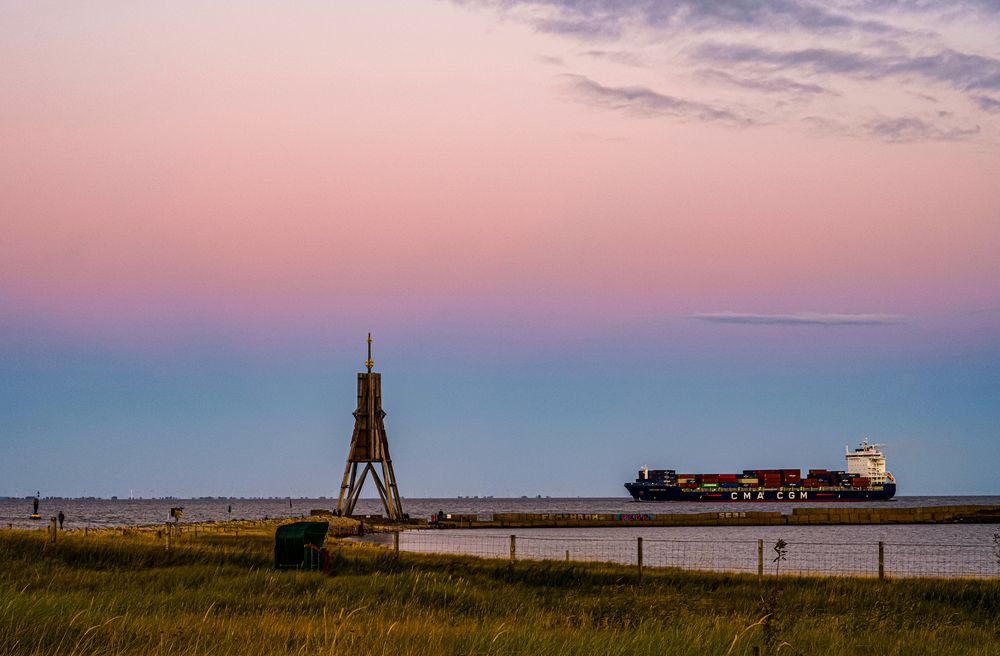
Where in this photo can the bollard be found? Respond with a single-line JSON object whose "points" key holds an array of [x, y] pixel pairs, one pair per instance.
{"points": [[639, 547], [395, 543], [52, 530], [881, 560], [513, 548], [760, 558]]}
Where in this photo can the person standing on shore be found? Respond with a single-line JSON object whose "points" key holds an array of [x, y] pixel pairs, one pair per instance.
{"points": [[62, 518]]}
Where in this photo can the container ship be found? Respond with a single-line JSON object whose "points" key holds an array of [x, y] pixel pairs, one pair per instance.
{"points": [[865, 479]]}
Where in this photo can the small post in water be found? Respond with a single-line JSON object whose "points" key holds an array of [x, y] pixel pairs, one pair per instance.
{"points": [[513, 548], [760, 558], [395, 543], [881, 560], [639, 547]]}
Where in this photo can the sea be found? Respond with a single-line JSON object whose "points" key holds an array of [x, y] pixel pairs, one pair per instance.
{"points": [[952, 549], [106, 513]]}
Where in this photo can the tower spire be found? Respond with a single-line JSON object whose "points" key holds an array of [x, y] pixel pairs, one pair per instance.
{"points": [[369, 362]]}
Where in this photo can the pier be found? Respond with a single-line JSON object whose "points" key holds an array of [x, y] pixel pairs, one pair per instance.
{"points": [[735, 517]]}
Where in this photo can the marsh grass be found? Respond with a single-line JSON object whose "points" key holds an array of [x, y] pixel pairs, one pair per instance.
{"points": [[217, 594]]}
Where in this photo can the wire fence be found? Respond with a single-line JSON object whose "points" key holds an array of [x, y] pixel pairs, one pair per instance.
{"points": [[880, 559]]}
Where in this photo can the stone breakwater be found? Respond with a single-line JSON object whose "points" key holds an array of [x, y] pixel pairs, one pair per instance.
{"points": [[798, 516]]}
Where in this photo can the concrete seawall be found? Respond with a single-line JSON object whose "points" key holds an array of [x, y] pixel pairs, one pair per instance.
{"points": [[798, 516]]}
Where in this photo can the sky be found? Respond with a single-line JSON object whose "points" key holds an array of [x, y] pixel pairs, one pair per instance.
{"points": [[586, 235]]}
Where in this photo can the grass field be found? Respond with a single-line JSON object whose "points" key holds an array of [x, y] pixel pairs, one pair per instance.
{"points": [[218, 594]]}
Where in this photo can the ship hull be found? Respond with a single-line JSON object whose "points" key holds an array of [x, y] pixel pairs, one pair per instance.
{"points": [[643, 491]]}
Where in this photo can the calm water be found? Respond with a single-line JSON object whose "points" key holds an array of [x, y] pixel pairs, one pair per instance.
{"points": [[125, 512], [908, 550]]}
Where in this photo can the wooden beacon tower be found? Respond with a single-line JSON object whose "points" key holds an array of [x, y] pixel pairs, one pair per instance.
{"points": [[369, 446]]}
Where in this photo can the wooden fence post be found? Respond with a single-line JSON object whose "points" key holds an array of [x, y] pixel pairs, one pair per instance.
{"points": [[395, 543], [760, 558], [881, 560], [169, 535], [52, 530], [639, 554], [513, 548]]}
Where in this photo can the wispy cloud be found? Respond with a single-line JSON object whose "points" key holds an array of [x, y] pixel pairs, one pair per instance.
{"points": [[764, 84], [622, 57], [606, 18], [643, 101], [550, 60], [907, 129], [801, 318], [868, 56], [960, 71], [988, 104]]}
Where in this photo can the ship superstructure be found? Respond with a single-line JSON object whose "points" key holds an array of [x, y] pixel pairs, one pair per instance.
{"points": [[865, 479], [867, 461]]}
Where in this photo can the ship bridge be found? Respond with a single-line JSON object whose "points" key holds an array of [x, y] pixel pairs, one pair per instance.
{"points": [[868, 461]]}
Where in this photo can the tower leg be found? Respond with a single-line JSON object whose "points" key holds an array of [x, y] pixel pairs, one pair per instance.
{"points": [[391, 484], [380, 486], [355, 492], [349, 471]]}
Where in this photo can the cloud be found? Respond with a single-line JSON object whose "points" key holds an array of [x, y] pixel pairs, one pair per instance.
{"points": [[962, 72], [907, 129], [984, 310], [801, 318], [988, 104], [820, 60], [622, 57], [764, 84], [609, 18], [550, 60], [590, 29], [751, 51], [642, 101]]}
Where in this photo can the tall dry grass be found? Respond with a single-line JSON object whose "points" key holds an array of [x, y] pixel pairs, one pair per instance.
{"points": [[218, 594]]}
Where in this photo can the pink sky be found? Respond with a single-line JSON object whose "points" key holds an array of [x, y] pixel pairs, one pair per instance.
{"points": [[252, 165]]}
